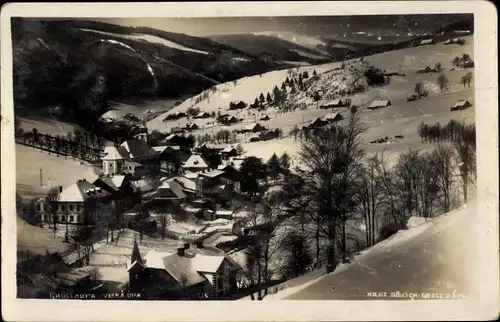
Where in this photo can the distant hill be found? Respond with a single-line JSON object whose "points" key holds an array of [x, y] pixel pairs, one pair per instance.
{"points": [[78, 65]]}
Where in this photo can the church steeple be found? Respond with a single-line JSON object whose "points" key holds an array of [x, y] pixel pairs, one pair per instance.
{"points": [[136, 255]]}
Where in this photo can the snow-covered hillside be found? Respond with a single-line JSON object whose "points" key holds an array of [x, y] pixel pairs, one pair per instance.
{"points": [[149, 38], [333, 81]]}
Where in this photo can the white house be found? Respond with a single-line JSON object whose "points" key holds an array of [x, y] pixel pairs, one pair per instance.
{"points": [[130, 154], [195, 163]]}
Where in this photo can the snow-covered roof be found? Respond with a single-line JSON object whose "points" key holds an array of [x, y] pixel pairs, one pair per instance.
{"points": [[187, 184], [185, 269], [335, 102], [211, 173], [461, 103], [426, 41], [252, 126], [333, 116], [224, 212], [117, 180], [112, 153], [137, 149], [195, 161], [228, 149], [81, 191], [380, 103], [172, 136]]}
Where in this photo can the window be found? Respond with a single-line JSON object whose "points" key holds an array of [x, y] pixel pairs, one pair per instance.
{"points": [[71, 207], [71, 218], [63, 218], [39, 207], [78, 207], [42, 218], [59, 207]]}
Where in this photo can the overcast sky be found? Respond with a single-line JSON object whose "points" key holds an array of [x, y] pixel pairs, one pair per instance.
{"points": [[308, 25]]}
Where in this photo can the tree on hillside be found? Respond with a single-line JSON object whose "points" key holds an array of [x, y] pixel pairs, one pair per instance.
{"points": [[287, 80], [369, 196], [277, 95], [295, 131], [419, 90], [441, 166], [51, 206], [252, 170], [256, 103], [466, 159], [466, 79], [262, 98], [305, 75], [285, 163], [273, 166], [314, 73], [443, 82], [437, 67], [269, 98], [36, 136], [330, 163], [283, 86], [456, 61]]}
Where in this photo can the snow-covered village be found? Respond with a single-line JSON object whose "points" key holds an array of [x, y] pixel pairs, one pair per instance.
{"points": [[272, 163]]}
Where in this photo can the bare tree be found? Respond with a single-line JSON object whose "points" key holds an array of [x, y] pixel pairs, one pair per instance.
{"points": [[441, 169], [466, 159], [51, 203], [443, 82], [331, 161], [369, 196]]}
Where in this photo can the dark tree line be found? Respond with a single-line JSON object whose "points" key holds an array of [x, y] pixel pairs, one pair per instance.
{"points": [[453, 131], [72, 145]]}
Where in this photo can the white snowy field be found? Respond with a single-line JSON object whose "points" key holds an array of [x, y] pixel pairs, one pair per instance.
{"points": [[55, 171]]}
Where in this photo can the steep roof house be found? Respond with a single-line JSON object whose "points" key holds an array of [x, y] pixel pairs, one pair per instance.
{"points": [[77, 204], [317, 122], [334, 117], [195, 163], [135, 150], [191, 272]]}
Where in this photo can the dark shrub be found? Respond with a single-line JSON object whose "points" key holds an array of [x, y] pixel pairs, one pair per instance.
{"points": [[387, 231]]}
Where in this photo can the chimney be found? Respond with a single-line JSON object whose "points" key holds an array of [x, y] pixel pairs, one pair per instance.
{"points": [[180, 251], [60, 189]]}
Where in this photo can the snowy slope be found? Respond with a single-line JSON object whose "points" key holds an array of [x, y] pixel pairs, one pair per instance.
{"points": [[434, 256]]}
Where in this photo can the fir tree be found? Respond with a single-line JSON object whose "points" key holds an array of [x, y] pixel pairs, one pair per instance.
{"points": [[314, 73], [268, 98], [274, 166], [261, 97], [285, 163]]}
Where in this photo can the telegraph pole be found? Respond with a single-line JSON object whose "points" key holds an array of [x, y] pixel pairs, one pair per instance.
{"points": [[41, 181]]}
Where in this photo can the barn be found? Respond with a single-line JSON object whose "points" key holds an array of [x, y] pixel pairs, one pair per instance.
{"points": [[460, 105], [332, 104], [379, 104]]}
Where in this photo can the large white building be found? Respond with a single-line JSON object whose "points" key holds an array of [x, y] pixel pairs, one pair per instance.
{"points": [[131, 157]]}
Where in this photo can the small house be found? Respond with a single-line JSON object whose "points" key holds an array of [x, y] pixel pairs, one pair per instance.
{"points": [[202, 115], [170, 191], [269, 135], [224, 214], [427, 42], [376, 104], [332, 104], [334, 117], [230, 120], [317, 122], [254, 127], [460, 105], [192, 127], [228, 152]]}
